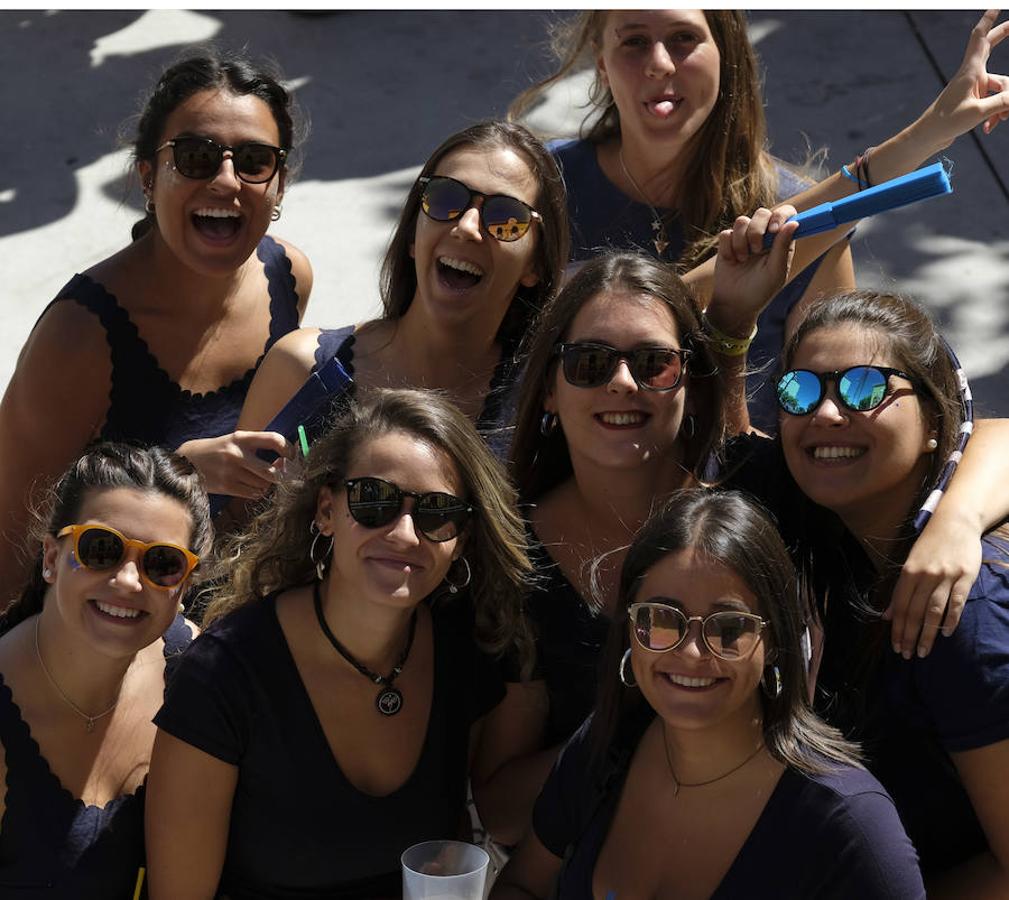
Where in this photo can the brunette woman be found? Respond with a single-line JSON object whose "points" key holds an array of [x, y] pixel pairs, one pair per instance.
{"points": [[479, 248], [331, 713], [674, 148], [159, 342], [704, 772], [85, 653]]}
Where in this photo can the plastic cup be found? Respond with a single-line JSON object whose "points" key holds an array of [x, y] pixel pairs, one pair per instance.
{"points": [[444, 870]]}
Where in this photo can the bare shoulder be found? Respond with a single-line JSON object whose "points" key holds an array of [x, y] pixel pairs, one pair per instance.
{"points": [[301, 269], [281, 373]]}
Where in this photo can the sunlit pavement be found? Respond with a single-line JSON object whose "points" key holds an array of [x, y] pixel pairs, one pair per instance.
{"points": [[384, 88]]}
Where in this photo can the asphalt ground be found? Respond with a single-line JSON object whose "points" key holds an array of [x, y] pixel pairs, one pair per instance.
{"points": [[384, 88]]}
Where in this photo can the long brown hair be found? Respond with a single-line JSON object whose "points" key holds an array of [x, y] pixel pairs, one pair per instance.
{"points": [[728, 529], [540, 462], [728, 169], [398, 281], [273, 553]]}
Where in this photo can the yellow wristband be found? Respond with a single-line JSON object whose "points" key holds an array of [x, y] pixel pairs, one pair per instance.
{"points": [[725, 344]]}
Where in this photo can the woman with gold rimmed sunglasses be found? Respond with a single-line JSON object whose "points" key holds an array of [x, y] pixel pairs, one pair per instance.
{"points": [[704, 772], [479, 247], [332, 711], [85, 652], [163, 337]]}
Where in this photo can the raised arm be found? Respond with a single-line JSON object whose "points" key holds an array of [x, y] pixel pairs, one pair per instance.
{"points": [[972, 97]]}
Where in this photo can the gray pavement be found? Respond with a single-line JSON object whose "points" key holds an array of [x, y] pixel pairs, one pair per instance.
{"points": [[384, 88]]}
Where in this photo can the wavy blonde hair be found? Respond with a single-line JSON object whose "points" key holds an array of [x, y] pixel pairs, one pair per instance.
{"points": [[272, 554]]}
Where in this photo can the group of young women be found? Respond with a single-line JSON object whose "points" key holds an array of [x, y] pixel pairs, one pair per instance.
{"points": [[486, 573]]}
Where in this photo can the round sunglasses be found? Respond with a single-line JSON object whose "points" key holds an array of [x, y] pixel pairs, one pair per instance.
{"points": [[659, 628], [100, 547], [201, 158], [375, 502], [445, 199], [589, 365], [859, 388]]}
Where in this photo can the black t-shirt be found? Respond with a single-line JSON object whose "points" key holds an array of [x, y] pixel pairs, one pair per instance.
{"points": [[299, 828], [819, 836]]}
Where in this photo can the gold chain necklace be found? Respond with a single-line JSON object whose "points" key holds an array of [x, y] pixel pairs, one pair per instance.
{"points": [[89, 719], [677, 784], [661, 239]]}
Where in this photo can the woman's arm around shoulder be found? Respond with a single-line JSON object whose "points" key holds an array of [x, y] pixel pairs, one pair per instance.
{"points": [[55, 403], [301, 269], [187, 817], [284, 370]]}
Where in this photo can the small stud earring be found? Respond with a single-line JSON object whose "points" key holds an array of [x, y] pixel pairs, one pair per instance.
{"points": [[47, 574], [932, 444]]}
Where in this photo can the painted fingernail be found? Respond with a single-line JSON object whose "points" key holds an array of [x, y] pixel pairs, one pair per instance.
{"points": [[906, 654], [896, 648], [922, 651], [947, 632]]}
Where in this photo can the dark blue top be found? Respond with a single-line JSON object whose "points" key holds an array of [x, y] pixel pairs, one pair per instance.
{"points": [[834, 835], [495, 420], [52, 846], [604, 218], [145, 405], [299, 829], [913, 713]]}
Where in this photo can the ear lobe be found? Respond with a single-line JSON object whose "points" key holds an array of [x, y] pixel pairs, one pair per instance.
{"points": [[50, 554], [325, 508], [529, 279]]}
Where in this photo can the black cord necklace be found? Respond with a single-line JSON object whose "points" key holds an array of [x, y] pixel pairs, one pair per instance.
{"points": [[389, 700]]}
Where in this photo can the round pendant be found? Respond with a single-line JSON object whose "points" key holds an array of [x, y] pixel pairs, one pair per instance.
{"points": [[389, 701]]}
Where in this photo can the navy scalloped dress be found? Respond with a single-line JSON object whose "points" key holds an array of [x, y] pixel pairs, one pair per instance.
{"points": [[52, 845]]}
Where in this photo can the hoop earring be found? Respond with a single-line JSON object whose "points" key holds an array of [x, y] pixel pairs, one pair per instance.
{"points": [[320, 564], [148, 205], [275, 215], [689, 426], [454, 588], [624, 680], [774, 693], [548, 424]]}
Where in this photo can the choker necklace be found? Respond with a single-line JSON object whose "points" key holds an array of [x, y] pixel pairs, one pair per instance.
{"points": [[389, 700], [90, 720], [677, 784], [661, 239]]}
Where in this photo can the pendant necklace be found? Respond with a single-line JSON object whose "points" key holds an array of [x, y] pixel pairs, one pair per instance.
{"points": [[89, 720], [677, 784], [661, 239], [389, 699]]}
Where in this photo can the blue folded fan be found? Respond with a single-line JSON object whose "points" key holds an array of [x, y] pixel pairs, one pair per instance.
{"points": [[931, 181]]}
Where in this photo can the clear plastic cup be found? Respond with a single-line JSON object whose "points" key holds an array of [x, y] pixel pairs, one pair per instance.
{"points": [[444, 870]]}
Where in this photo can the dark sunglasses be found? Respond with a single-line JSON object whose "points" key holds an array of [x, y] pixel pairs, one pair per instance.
{"points": [[201, 158], [659, 627], [444, 199], [374, 502], [860, 388], [100, 547], [588, 365]]}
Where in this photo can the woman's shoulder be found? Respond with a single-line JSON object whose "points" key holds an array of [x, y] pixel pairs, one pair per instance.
{"points": [[301, 271]]}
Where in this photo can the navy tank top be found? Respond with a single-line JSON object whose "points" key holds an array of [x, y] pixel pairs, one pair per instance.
{"points": [[52, 845], [145, 404]]}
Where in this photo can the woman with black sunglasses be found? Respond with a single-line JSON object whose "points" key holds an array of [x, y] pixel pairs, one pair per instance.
{"points": [[872, 421], [159, 342], [85, 652], [704, 772], [330, 714], [674, 147], [479, 247]]}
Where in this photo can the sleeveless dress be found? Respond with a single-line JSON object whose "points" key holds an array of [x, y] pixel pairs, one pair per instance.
{"points": [[145, 404], [52, 845]]}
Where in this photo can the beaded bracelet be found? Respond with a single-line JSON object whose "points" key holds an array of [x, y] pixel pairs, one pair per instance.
{"points": [[726, 344]]}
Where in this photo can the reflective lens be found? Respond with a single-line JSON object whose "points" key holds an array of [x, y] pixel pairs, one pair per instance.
{"points": [[652, 368], [100, 547], [374, 502], [859, 388], [506, 218], [728, 635], [201, 158]]}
